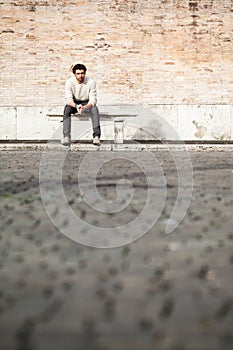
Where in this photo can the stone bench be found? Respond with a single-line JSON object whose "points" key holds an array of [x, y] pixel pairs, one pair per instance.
{"points": [[118, 120]]}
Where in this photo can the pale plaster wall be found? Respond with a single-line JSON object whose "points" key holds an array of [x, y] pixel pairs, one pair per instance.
{"points": [[174, 122]]}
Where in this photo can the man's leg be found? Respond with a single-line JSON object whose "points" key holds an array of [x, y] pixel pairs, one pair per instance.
{"points": [[68, 110], [95, 117]]}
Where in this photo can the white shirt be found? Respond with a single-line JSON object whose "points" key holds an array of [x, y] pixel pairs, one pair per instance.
{"points": [[82, 92]]}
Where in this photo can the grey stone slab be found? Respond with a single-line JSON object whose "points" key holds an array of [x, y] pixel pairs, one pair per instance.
{"points": [[204, 122], [8, 123], [32, 124]]}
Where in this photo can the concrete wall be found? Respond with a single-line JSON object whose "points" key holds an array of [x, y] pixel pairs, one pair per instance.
{"points": [[173, 122]]}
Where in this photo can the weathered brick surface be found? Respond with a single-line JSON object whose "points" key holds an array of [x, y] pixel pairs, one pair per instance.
{"points": [[163, 51]]}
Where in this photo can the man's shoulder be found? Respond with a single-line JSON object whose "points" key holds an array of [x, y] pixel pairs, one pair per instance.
{"points": [[89, 80], [71, 80]]}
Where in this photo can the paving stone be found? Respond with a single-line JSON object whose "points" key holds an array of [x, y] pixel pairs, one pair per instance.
{"points": [[163, 291]]}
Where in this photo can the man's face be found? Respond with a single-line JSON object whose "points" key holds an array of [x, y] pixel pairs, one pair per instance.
{"points": [[79, 75]]}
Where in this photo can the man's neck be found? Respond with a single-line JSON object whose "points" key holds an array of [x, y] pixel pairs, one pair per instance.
{"points": [[81, 82]]}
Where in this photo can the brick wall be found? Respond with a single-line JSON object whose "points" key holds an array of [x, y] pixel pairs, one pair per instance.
{"points": [[147, 52]]}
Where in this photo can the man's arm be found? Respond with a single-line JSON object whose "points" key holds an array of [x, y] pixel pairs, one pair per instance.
{"points": [[92, 98], [68, 94], [92, 94], [81, 108]]}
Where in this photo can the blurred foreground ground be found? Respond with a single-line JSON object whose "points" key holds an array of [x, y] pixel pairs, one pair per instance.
{"points": [[162, 292]]}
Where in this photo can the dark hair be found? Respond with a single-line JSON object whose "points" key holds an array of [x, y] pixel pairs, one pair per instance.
{"points": [[79, 67]]}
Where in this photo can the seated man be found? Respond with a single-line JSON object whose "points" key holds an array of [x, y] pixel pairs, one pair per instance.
{"points": [[80, 95]]}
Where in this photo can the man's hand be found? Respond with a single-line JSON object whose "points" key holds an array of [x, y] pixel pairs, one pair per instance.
{"points": [[81, 109]]}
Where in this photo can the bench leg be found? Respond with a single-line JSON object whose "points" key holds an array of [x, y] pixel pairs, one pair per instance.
{"points": [[118, 131]]}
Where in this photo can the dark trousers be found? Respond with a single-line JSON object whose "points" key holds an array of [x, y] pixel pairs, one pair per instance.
{"points": [[68, 111]]}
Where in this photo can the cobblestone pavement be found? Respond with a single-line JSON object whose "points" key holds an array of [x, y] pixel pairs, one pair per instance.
{"points": [[162, 292]]}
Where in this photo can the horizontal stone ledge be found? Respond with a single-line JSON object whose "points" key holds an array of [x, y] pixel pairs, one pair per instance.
{"points": [[109, 146], [212, 122], [103, 116]]}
